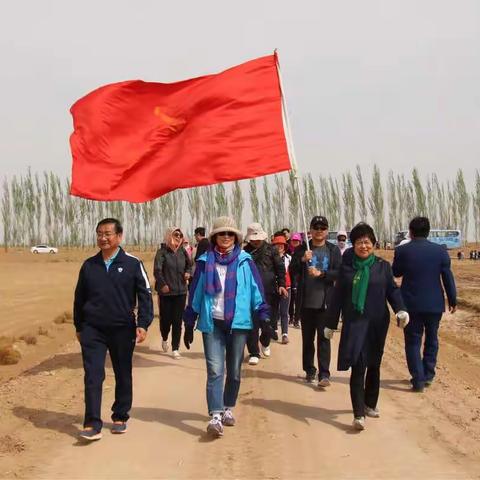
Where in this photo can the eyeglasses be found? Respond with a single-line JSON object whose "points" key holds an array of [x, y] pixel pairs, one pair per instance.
{"points": [[105, 234], [225, 234]]}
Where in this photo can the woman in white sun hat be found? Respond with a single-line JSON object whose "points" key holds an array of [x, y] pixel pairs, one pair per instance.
{"points": [[224, 296]]}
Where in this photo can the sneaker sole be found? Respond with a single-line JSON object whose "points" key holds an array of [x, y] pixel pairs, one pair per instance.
{"points": [[118, 432], [359, 427], [91, 438], [213, 432]]}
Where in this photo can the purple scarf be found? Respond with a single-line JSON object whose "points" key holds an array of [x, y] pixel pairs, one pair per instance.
{"points": [[212, 280]]}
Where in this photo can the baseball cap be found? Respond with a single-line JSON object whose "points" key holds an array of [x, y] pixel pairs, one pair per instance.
{"points": [[319, 221]]}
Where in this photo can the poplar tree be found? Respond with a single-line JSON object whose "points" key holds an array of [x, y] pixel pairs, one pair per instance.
{"points": [[254, 202], [376, 204], [237, 204], [348, 200], [361, 197]]}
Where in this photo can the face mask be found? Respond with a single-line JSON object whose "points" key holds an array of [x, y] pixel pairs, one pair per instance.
{"points": [[341, 243]]}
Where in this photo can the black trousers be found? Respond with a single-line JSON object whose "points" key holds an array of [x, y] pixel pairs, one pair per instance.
{"points": [[273, 299], [364, 389], [313, 322], [171, 310], [120, 343], [293, 312]]}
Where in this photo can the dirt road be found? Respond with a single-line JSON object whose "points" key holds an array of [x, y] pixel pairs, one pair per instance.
{"points": [[286, 429]]}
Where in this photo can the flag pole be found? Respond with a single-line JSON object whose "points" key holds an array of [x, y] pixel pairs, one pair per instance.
{"points": [[291, 149]]}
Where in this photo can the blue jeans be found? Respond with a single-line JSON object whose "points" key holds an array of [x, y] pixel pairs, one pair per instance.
{"points": [[221, 347], [422, 369]]}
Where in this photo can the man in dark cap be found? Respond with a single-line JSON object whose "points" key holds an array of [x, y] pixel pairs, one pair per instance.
{"points": [[317, 269]]}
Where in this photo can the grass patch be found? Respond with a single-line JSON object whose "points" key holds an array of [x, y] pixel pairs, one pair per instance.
{"points": [[29, 339], [65, 317], [9, 355]]}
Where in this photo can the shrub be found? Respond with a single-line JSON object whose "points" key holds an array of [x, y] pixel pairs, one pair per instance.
{"points": [[9, 355], [29, 339], [42, 331], [65, 317]]}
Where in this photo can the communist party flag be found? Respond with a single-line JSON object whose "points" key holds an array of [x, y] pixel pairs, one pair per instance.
{"points": [[138, 140]]}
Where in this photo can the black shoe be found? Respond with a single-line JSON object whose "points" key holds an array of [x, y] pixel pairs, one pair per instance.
{"points": [[275, 335], [310, 378], [418, 389], [428, 383]]}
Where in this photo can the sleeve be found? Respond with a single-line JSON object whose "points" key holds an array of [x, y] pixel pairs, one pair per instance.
{"points": [[448, 279], [79, 300], [335, 307], [279, 266], [397, 264], [188, 261], [296, 263], [258, 304], [192, 310], [144, 297], [332, 273], [158, 269], [394, 295]]}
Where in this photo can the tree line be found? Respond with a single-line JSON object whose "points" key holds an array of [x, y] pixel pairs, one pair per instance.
{"points": [[37, 208]]}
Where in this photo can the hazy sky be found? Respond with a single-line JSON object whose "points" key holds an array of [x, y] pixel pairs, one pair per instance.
{"points": [[392, 82]]}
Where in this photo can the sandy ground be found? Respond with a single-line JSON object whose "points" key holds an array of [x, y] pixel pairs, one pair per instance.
{"points": [[286, 429]]}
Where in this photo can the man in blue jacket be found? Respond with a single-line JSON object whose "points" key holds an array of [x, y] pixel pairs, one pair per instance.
{"points": [[110, 285], [424, 266]]}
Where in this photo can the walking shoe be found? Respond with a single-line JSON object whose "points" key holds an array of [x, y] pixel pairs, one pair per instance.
{"points": [[296, 325], [310, 378], [90, 434], [228, 420], [253, 361], [324, 382], [418, 389], [428, 383], [275, 335], [371, 412], [176, 355], [119, 427], [285, 339], [215, 427], [266, 351], [359, 423], [165, 346]]}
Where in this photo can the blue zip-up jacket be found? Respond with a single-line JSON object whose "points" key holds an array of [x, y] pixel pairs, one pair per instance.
{"points": [[249, 301], [108, 299]]}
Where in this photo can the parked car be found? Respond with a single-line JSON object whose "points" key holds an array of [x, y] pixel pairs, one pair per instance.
{"points": [[43, 249]]}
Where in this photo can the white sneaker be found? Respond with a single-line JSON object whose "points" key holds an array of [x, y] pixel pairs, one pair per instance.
{"points": [[266, 351], [176, 355], [372, 412], [284, 338], [228, 419], [253, 361], [359, 423], [165, 346], [215, 427]]}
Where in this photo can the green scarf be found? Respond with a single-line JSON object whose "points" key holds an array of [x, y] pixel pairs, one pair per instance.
{"points": [[360, 281]]}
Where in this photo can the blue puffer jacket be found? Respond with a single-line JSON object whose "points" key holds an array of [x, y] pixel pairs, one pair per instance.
{"points": [[249, 302]]}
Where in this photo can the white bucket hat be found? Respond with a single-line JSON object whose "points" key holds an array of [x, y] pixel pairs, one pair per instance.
{"points": [[225, 224], [255, 232]]}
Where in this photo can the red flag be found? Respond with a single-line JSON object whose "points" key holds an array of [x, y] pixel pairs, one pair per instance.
{"points": [[138, 140]]}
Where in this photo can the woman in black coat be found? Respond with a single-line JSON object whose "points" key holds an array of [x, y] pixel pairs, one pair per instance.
{"points": [[364, 286]]}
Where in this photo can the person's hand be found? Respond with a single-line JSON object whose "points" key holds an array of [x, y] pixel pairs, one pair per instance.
{"points": [[141, 334], [307, 256], [328, 333], [314, 272], [452, 308], [402, 319], [188, 336], [186, 276], [79, 336], [283, 292], [165, 289]]}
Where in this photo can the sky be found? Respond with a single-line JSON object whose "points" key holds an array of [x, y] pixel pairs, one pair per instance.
{"points": [[389, 82]]}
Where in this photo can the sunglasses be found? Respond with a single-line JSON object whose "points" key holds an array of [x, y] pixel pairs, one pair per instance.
{"points": [[225, 234], [320, 228], [178, 235]]}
